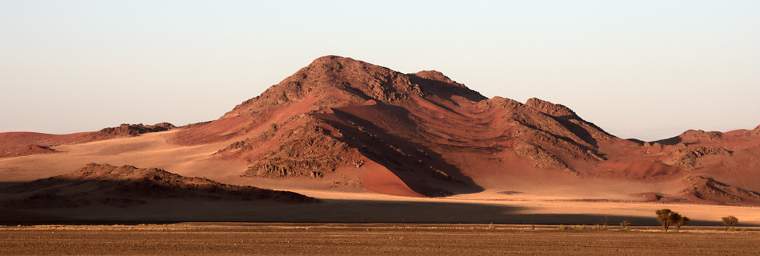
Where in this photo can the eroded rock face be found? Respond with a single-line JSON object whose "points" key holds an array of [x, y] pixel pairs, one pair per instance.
{"points": [[124, 186]]}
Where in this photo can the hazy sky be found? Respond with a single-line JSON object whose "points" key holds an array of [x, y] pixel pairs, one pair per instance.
{"points": [[645, 69]]}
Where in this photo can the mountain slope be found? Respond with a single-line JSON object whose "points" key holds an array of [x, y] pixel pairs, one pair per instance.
{"points": [[436, 135]]}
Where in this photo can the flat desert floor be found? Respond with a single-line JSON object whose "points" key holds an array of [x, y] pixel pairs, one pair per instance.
{"points": [[371, 239]]}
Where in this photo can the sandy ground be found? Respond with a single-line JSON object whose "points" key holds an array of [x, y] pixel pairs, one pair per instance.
{"points": [[149, 151], [541, 204], [374, 239]]}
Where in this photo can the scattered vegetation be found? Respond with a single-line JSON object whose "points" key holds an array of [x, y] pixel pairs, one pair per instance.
{"points": [[668, 218], [730, 222]]}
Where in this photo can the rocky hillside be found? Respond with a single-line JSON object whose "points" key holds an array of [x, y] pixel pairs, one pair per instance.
{"points": [[438, 136]]}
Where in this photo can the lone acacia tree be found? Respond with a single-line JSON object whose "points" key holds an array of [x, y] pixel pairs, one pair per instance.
{"points": [[663, 216], [730, 222], [668, 218]]}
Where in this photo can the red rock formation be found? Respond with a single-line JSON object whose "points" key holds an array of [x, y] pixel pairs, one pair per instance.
{"points": [[435, 134], [338, 111]]}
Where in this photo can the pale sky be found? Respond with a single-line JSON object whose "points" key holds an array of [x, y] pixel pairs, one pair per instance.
{"points": [[643, 69]]}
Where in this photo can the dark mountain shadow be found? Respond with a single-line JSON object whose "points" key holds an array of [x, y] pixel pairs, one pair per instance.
{"points": [[422, 169], [579, 131]]}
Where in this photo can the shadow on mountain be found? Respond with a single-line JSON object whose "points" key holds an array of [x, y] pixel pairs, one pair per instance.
{"points": [[577, 130], [420, 168]]}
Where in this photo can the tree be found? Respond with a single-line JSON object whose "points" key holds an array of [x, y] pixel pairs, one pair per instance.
{"points": [[730, 222], [679, 221], [663, 216], [668, 218]]}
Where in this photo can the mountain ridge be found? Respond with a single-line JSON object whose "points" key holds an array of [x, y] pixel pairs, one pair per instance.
{"points": [[362, 126]]}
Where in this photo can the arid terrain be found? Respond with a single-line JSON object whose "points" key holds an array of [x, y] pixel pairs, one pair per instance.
{"points": [[370, 239], [343, 140]]}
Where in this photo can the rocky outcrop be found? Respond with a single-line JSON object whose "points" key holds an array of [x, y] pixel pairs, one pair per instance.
{"points": [[306, 152], [556, 110], [134, 129], [689, 158]]}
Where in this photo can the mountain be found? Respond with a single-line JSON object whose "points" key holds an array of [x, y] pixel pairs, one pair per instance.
{"points": [[438, 136], [344, 124], [103, 184]]}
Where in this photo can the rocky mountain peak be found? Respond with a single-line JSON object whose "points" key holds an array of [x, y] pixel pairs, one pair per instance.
{"points": [[546, 107]]}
